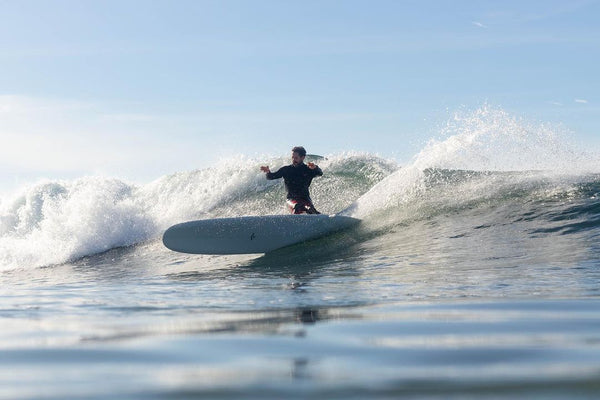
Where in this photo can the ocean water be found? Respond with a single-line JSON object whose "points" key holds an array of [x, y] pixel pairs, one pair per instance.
{"points": [[475, 273]]}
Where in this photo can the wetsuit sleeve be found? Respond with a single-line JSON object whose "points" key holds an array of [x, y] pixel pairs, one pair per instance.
{"points": [[317, 171], [275, 175]]}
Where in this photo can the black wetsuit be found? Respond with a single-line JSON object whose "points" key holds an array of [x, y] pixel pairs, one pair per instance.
{"points": [[297, 179]]}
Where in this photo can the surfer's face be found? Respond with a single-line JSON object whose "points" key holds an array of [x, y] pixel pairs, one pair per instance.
{"points": [[296, 159]]}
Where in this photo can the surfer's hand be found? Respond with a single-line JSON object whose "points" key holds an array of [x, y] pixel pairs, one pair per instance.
{"points": [[265, 169], [311, 165]]}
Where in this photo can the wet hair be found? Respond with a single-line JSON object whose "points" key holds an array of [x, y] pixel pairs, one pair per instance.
{"points": [[299, 150]]}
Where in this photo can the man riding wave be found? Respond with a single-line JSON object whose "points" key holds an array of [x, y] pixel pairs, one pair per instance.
{"points": [[297, 178]]}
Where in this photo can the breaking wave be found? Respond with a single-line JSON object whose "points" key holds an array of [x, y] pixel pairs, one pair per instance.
{"points": [[485, 159]]}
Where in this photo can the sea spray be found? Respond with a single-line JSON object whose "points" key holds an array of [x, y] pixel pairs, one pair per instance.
{"points": [[195, 194], [491, 139], [483, 156]]}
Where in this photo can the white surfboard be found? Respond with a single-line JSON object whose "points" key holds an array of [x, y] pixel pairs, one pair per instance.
{"points": [[251, 235]]}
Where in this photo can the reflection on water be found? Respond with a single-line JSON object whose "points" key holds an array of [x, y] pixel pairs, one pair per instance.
{"points": [[528, 349]]}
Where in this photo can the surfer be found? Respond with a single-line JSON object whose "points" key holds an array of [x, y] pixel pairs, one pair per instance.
{"points": [[297, 178]]}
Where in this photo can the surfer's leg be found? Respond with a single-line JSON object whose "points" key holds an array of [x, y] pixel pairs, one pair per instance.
{"points": [[301, 206], [307, 206], [294, 206]]}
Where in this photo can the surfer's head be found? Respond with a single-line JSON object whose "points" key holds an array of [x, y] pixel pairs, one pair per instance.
{"points": [[298, 154]]}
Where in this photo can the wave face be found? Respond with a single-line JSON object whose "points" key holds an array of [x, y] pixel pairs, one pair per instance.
{"points": [[487, 166]]}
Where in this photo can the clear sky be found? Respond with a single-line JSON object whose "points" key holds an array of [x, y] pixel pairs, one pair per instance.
{"points": [[139, 89]]}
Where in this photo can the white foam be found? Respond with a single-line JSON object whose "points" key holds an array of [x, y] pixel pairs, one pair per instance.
{"points": [[490, 139], [54, 222]]}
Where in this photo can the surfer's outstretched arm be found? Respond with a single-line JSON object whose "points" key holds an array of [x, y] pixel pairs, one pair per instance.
{"points": [[315, 168], [273, 175]]}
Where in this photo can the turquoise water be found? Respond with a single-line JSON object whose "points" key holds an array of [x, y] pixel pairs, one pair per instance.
{"points": [[475, 273]]}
